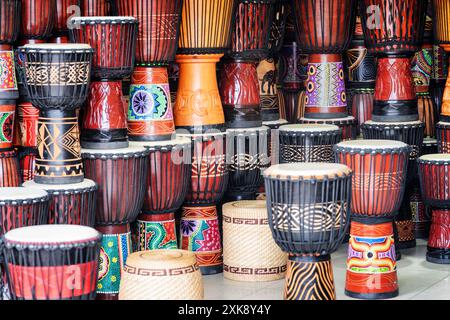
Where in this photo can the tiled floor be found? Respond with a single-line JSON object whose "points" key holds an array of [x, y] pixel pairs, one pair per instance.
{"points": [[418, 279]]}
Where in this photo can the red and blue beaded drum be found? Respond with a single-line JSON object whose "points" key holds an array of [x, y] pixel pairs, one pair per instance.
{"points": [[113, 39], [393, 30], [309, 210], [70, 203], [9, 169], [199, 226], [247, 156], [434, 172], [378, 184], [443, 136], [324, 29], [121, 178], [347, 124], [167, 184], [308, 142], [150, 114], [411, 133], [56, 78], [52, 262]]}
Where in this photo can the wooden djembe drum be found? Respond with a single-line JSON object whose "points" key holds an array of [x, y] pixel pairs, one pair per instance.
{"points": [[394, 35], [113, 38], [378, 183], [324, 29], [64, 10], [99, 8], [434, 172], [308, 208], [198, 106], [150, 111]]}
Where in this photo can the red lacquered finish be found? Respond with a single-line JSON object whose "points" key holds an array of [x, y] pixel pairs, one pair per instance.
{"points": [[27, 160], [28, 119], [64, 10], [434, 174], [38, 19], [98, 8], [9, 169], [440, 230], [9, 21], [443, 137], [394, 80]]}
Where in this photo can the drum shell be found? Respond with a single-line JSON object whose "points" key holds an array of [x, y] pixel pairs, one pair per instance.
{"points": [[64, 9], [9, 169], [38, 19], [98, 8], [10, 21], [28, 123], [443, 137], [433, 183], [278, 28], [348, 126], [27, 159]]}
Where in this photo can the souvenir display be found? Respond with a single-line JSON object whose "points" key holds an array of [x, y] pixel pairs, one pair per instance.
{"points": [[308, 208], [121, 178], [308, 142], [378, 184], [347, 124], [57, 82], [161, 275], [113, 39], [249, 251], [247, 156], [199, 226], [52, 262], [167, 183]]}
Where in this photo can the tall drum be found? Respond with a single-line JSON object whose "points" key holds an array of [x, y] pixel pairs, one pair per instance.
{"points": [[52, 262], [378, 183], [38, 19], [308, 207]]}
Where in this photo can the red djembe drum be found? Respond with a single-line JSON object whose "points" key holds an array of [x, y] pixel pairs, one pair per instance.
{"points": [[121, 178], [324, 30], [113, 39], [99, 8], [9, 169], [443, 136], [150, 113], [38, 19], [52, 262], [393, 30], [199, 226], [308, 209], [167, 184], [434, 174], [378, 183], [238, 77]]}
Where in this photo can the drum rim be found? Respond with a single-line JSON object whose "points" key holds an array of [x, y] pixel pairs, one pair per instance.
{"points": [[442, 125], [400, 125], [329, 128], [73, 188], [400, 147], [185, 255], [55, 48], [179, 141], [104, 20], [347, 120], [24, 197], [114, 153], [445, 159], [243, 131], [275, 122], [340, 171]]}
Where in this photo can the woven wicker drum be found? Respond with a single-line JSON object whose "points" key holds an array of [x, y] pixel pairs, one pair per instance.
{"points": [[161, 275], [249, 251]]}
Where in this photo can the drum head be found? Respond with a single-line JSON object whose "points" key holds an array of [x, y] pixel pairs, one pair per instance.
{"points": [[52, 234], [103, 20], [114, 152], [178, 141], [393, 124], [57, 47], [61, 187], [20, 193], [306, 170], [371, 145], [278, 122], [436, 157], [309, 128], [161, 259]]}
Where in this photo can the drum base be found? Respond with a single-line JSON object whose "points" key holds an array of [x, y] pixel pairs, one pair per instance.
{"points": [[207, 271], [229, 197], [371, 296], [402, 245], [325, 115], [439, 256], [396, 118], [164, 137], [105, 145], [50, 180]]}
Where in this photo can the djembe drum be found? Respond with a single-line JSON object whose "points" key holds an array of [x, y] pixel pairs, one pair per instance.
{"points": [[9, 169], [434, 172], [113, 38], [308, 142], [121, 177], [38, 19], [167, 183], [199, 226], [347, 124], [308, 207], [379, 176], [324, 30], [52, 262], [443, 136], [247, 156], [99, 8], [394, 35], [57, 81], [412, 134], [150, 113], [70, 203]]}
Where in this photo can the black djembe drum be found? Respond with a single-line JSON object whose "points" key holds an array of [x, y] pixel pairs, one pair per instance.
{"points": [[347, 124], [309, 210]]}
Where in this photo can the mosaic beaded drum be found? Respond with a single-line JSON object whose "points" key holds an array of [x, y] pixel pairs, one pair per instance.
{"points": [[98, 8], [379, 177], [167, 183], [347, 124], [121, 177], [443, 136], [20, 207], [113, 39], [9, 169], [249, 251], [57, 80], [395, 35], [247, 156], [161, 275], [434, 172], [308, 142], [70, 203], [52, 262], [38, 19], [199, 221], [308, 207]]}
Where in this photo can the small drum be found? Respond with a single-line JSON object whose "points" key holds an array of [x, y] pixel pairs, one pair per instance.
{"points": [[347, 124], [9, 169], [443, 136], [70, 203], [52, 262], [309, 211], [20, 207], [308, 142], [247, 155]]}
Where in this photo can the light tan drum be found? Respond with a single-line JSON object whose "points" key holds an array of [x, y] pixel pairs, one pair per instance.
{"points": [[249, 251], [161, 275]]}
